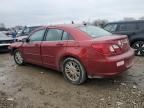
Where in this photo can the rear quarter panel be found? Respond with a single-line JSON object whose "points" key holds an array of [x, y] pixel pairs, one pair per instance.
{"points": [[82, 51]]}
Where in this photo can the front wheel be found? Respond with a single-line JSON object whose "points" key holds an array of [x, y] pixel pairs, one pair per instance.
{"points": [[74, 71], [138, 46], [18, 57]]}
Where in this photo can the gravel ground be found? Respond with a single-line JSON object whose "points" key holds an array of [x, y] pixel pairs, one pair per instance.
{"points": [[31, 86]]}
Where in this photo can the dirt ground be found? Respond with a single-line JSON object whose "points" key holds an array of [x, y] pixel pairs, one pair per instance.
{"points": [[31, 86]]}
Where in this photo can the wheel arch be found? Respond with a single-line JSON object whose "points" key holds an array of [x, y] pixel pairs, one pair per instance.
{"points": [[136, 37], [135, 40], [69, 56], [13, 50]]}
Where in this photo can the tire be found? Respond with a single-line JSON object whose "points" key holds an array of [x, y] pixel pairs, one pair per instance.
{"points": [[74, 71], [138, 46], [18, 58]]}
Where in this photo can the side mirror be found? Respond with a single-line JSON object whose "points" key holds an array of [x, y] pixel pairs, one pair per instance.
{"points": [[25, 40]]}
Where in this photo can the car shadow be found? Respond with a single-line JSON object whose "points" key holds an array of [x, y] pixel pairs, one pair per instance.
{"points": [[6, 52], [103, 83]]}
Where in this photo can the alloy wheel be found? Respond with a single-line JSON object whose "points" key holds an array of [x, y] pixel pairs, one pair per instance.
{"points": [[18, 58], [72, 70], [139, 48]]}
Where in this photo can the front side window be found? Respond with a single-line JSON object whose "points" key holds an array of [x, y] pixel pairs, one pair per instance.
{"points": [[127, 27], [94, 31], [54, 35], [37, 36], [111, 27]]}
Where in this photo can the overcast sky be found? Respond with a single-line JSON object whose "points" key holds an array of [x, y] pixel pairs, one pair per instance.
{"points": [[42, 12]]}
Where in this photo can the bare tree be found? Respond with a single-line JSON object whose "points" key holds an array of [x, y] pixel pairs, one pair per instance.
{"points": [[141, 18], [99, 22], [2, 25], [128, 19]]}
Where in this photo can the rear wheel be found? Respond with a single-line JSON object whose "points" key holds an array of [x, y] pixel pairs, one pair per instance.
{"points": [[138, 46], [18, 57], [73, 71]]}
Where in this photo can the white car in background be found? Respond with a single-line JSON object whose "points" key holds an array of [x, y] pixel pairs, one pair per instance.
{"points": [[25, 32], [5, 42]]}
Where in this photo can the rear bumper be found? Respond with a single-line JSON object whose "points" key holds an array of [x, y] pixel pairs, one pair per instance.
{"points": [[110, 66]]}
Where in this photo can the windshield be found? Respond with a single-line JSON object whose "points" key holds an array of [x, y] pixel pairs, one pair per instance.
{"points": [[28, 30], [2, 36], [94, 31], [33, 28]]}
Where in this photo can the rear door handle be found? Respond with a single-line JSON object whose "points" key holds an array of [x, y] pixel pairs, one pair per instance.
{"points": [[59, 44]]}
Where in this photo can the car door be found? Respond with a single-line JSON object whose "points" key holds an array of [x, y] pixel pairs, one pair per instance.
{"points": [[53, 47], [32, 48]]}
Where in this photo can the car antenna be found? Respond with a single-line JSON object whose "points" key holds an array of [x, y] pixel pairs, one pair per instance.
{"points": [[72, 22], [84, 23]]}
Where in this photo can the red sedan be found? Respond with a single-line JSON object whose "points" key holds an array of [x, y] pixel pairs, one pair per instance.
{"points": [[78, 51]]}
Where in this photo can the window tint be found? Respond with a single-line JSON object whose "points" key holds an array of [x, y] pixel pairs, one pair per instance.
{"points": [[37, 36], [54, 35], [128, 27], [141, 25], [111, 27], [94, 31], [33, 28], [66, 36], [26, 31]]}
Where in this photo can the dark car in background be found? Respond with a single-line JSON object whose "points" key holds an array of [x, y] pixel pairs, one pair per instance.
{"points": [[25, 32], [5, 42], [133, 29]]}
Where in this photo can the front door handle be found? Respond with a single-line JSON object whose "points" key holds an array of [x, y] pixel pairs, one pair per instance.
{"points": [[37, 45], [59, 44]]}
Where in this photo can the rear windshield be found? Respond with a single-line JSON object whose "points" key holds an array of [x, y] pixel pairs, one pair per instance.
{"points": [[94, 31]]}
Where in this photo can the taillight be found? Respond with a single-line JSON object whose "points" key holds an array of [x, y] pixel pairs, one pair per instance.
{"points": [[113, 47], [116, 48], [107, 48], [102, 48]]}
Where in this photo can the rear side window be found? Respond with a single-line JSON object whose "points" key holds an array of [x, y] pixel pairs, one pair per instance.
{"points": [[54, 35], [94, 31], [66, 36], [111, 27], [128, 27]]}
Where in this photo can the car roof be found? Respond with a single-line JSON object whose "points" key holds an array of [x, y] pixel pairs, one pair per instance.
{"points": [[118, 22], [64, 26], [71, 28], [34, 26], [67, 25]]}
